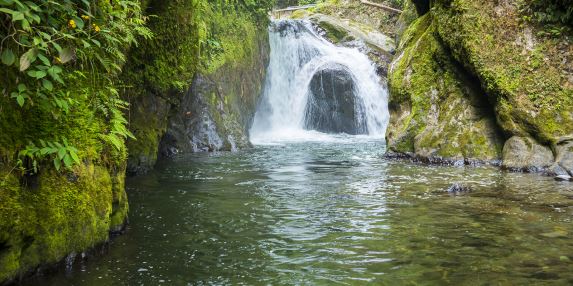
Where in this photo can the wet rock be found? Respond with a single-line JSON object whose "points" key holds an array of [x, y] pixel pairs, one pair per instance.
{"points": [[333, 106], [524, 154], [565, 156], [458, 188], [563, 178], [196, 132], [342, 32]]}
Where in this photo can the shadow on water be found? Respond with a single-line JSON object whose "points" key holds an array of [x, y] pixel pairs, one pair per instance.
{"points": [[331, 213]]}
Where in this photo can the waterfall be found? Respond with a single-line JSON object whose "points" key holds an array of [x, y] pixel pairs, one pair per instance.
{"points": [[305, 76]]}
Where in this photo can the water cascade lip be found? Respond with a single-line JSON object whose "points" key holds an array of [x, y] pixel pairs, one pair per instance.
{"points": [[298, 54]]}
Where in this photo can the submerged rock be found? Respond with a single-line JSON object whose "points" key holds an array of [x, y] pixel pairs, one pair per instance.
{"points": [[457, 188], [333, 106]]}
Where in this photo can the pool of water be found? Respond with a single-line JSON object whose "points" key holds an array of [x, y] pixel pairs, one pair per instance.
{"points": [[334, 213]]}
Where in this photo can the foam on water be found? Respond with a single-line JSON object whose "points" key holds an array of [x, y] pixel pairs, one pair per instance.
{"points": [[297, 53]]}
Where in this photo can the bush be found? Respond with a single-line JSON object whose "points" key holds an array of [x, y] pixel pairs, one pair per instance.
{"points": [[61, 56]]}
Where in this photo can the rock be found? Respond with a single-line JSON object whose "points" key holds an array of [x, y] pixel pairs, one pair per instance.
{"points": [[436, 109], [377, 46], [333, 106], [563, 178], [457, 188], [565, 156], [524, 154], [555, 234], [338, 30]]}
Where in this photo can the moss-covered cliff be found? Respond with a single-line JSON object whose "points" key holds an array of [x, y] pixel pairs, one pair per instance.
{"points": [[510, 79], [62, 131], [200, 76], [63, 123]]}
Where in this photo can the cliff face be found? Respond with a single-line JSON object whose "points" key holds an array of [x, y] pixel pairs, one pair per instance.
{"points": [[202, 99], [473, 80], [63, 158], [62, 131]]}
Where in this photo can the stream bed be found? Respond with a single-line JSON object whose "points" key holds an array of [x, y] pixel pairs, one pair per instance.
{"points": [[334, 212]]}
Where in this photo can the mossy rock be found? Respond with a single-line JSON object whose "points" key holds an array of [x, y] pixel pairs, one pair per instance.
{"points": [[435, 109], [528, 77], [45, 217]]}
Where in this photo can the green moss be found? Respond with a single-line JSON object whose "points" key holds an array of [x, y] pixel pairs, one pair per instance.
{"points": [[435, 111], [52, 215], [519, 70], [334, 33]]}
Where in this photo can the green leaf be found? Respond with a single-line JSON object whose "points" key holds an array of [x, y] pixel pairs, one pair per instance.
{"points": [[45, 150], [26, 25], [17, 16], [75, 157], [22, 87], [7, 11], [61, 153], [67, 161], [57, 163], [44, 59], [37, 74], [8, 57], [40, 74], [47, 84], [79, 22], [20, 100]]}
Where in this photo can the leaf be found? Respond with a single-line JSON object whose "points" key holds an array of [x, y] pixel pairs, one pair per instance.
{"points": [[8, 57], [57, 163], [37, 74], [61, 153], [44, 59], [45, 150], [75, 157], [66, 55], [17, 16], [26, 25], [67, 161], [7, 11], [47, 84], [20, 100], [22, 87], [79, 22], [28, 58]]}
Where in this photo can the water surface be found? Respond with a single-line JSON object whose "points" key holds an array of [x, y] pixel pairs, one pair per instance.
{"points": [[335, 213]]}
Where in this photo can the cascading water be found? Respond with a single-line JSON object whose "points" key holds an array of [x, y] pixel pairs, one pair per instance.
{"points": [[314, 87]]}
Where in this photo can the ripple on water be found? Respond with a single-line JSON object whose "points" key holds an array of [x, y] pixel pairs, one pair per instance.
{"points": [[328, 213]]}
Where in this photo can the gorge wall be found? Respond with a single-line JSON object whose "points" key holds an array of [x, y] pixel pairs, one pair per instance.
{"points": [[200, 82], [479, 81], [63, 157]]}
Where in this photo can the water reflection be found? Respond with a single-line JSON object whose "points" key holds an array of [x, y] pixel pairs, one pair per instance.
{"points": [[329, 213]]}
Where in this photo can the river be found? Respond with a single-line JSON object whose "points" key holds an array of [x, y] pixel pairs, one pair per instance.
{"points": [[334, 212]]}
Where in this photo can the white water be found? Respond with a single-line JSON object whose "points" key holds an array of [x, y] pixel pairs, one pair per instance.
{"points": [[296, 56]]}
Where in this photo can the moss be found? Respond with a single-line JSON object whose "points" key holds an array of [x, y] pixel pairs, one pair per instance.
{"points": [[334, 33], [435, 111], [522, 73], [54, 214]]}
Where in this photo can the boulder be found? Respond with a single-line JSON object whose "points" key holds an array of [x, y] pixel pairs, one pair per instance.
{"points": [[332, 105], [565, 156], [524, 154]]}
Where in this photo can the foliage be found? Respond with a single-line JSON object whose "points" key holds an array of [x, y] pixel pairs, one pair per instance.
{"points": [[552, 11], [209, 34], [55, 54], [555, 15]]}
